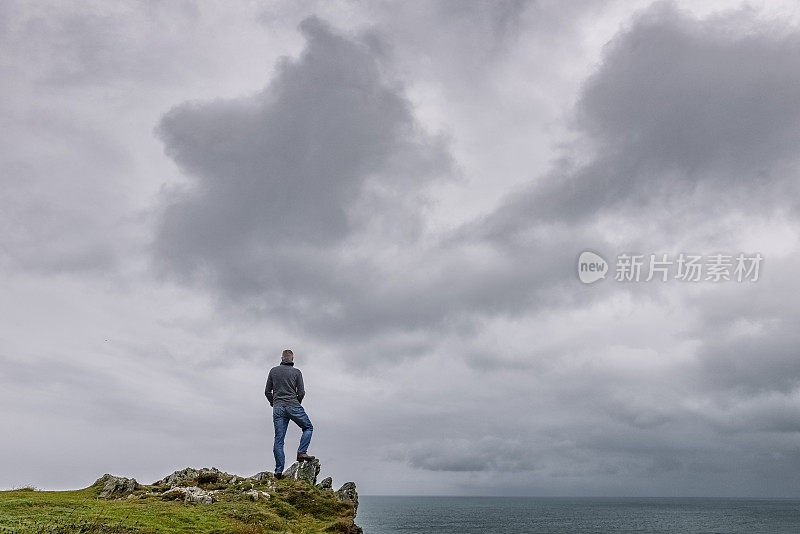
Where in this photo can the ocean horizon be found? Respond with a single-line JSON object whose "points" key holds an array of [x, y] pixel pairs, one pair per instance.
{"points": [[383, 514]]}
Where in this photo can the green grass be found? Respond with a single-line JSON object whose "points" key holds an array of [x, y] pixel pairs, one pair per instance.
{"points": [[294, 507]]}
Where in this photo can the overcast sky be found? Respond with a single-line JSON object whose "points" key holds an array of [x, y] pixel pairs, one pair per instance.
{"points": [[399, 191]]}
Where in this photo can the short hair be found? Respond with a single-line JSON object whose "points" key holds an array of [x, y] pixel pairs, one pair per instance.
{"points": [[287, 354]]}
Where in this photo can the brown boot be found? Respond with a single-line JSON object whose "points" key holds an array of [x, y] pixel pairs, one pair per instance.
{"points": [[303, 456], [279, 475]]}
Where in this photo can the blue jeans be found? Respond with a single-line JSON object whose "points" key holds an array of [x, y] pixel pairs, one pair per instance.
{"points": [[280, 418]]}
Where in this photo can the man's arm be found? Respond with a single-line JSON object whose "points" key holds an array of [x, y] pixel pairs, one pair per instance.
{"points": [[301, 390], [268, 389]]}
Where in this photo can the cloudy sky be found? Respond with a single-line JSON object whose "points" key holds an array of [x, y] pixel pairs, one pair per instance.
{"points": [[399, 192]]}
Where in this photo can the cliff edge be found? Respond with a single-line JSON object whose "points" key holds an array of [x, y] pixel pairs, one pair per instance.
{"points": [[189, 500]]}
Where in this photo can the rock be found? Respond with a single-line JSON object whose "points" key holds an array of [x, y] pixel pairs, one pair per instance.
{"points": [[305, 471], [348, 493], [190, 476], [210, 485], [188, 495], [257, 495], [263, 475], [179, 476], [116, 487], [173, 494], [195, 494]]}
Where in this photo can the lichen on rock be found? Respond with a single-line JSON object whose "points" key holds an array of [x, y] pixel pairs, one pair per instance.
{"points": [[348, 493], [305, 471], [263, 475], [188, 495], [115, 487], [257, 495], [191, 476]]}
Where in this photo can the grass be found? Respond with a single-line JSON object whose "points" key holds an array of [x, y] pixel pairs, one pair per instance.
{"points": [[294, 507]]}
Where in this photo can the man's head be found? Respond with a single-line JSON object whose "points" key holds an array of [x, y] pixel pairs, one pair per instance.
{"points": [[287, 355]]}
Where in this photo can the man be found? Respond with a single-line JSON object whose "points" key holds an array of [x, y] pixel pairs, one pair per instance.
{"points": [[285, 392]]}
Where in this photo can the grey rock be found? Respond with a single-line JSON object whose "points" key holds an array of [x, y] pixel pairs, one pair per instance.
{"points": [[179, 476], [305, 471], [188, 495], [195, 494], [116, 487], [348, 493], [257, 495], [263, 475], [191, 476], [173, 494], [326, 484]]}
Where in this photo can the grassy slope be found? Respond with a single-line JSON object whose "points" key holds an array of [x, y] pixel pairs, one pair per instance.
{"points": [[295, 507]]}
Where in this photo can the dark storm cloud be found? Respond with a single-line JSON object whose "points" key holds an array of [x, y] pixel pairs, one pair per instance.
{"points": [[304, 198], [488, 453], [281, 179], [679, 106]]}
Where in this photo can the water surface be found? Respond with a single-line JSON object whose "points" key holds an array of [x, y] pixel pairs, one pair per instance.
{"points": [[473, 515]]}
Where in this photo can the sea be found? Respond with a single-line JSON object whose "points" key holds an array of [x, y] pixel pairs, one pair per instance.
{"points": [[529, 515]]}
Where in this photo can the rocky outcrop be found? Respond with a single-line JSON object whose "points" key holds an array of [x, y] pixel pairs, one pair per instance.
{"points": [[189, 494], [258, 495], [116, 487], [305, 471], [189, 476], [209, 485], [263, 475], [348, 493], [308, 471]]}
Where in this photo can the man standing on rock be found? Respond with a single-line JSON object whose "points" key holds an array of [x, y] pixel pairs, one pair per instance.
{"points": [[285, 392]]}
